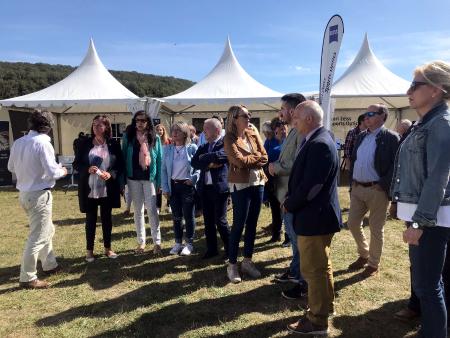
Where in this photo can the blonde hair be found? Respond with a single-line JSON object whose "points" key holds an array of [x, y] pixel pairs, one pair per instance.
{"points": [[437, 74], [184, 128], [232, 115]]}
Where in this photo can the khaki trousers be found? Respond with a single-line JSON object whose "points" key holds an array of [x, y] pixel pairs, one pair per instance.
{"points": [[38, 206], [316, 269], [375, 201]]}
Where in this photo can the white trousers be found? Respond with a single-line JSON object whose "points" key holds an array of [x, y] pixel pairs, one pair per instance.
{"points": [[38, 206], [143, 194]]}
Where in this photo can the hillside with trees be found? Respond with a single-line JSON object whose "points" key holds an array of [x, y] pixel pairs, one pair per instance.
{"points": [[20, 78]]}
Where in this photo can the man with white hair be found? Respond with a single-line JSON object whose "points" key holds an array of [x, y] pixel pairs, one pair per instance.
{"points": [[212, 186], [313, 199], [32, 159]]}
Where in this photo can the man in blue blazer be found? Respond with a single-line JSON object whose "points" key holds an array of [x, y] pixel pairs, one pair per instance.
{"points": [[313, 199], [212, 186]]}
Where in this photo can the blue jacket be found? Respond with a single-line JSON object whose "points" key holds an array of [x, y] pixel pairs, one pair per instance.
{"points": [[203, 158], [312, 189], [422, 166], [166, 169]]}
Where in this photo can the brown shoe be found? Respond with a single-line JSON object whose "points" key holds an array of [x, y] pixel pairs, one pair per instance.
{"points": [[54, 271], [157, 250], [360, 263], [406, 315], [305, 327], [34, 284], [369, 271]]}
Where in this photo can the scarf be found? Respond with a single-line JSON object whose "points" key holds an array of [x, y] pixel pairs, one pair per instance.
{"points": [[144, 154]]}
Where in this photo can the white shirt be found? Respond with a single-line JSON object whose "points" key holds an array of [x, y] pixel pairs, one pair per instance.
{"points": [[180, 164], [32, 159], [405, 212]]}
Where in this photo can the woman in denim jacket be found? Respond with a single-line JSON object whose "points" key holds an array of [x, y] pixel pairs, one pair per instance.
{"points": [[178, 181], [421, 189]]}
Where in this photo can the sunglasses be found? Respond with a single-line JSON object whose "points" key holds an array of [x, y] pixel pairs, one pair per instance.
{"points": [[245, 116], [372, 113], [416, 84]]}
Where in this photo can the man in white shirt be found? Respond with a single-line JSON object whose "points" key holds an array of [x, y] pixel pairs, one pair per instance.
{"points": [[32, 159]]}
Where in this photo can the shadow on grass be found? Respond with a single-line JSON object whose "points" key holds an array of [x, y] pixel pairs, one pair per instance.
{"points": [[378, 323], [206, 312]]}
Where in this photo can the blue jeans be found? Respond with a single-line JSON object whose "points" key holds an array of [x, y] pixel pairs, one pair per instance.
{"points": [[427, 262], [294, 267], [182, 200], [246, 207]]}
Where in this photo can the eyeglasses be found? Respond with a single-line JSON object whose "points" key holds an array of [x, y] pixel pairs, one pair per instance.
{"points": [[245, 116], [416, 84], [141, 121]]}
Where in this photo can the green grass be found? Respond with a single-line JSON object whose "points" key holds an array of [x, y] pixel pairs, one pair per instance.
{"points": [[171, 296]]}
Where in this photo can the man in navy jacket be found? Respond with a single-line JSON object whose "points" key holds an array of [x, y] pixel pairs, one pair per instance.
{"points": [[212, 186], [312, 198]]}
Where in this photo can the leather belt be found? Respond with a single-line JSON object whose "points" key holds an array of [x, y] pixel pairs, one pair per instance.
{"points": [[178, 181], [365, 184]]}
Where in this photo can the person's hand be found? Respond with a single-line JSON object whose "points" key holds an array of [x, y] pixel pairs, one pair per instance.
{"points": [[188, 182], [393, 210], [92, 169], [271, 169], [412, 236], [65, 170], [347, 164], [105, 175]]}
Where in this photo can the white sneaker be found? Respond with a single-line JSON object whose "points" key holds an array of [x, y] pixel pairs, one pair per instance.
{"points": [[187, 250], [233, 273], [249, 268], [176, 249]]}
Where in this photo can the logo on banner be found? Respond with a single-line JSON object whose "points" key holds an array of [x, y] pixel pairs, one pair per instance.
{"points": [[334, 33]]}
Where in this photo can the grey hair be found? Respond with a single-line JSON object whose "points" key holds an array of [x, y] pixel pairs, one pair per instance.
{"points": [[266, 127], [313, 109], [215, 122]]}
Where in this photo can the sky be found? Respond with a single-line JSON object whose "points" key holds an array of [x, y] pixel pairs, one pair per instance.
{"points": [[278, 42]]}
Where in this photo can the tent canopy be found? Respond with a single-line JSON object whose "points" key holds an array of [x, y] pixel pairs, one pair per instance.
{"points": [[226, 84], [90, 88], [367, 81]]}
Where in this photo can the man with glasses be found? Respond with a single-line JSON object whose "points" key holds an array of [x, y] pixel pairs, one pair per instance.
{"points": [[371, 172]]}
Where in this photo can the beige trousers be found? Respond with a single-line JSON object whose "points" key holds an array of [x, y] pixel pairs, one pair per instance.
{"points": [[315, 266], [38, 206], [374, 200]]}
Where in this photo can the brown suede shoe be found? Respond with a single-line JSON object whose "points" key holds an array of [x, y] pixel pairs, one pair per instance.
{"points": [[34, 284], [369, 271], [305, 327], [406, 315], [360, 263]]}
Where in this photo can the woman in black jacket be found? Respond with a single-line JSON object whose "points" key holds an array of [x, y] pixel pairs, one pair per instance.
{"points": [[100, 164]]}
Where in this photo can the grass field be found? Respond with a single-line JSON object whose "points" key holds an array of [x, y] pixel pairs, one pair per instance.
{"points": [[167, 296]]}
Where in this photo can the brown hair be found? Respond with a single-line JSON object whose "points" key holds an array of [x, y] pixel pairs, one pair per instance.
{"points": [[184, 128], [232, 115], [105, 120]]}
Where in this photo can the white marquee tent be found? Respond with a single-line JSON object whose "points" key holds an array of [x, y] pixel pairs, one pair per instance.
{"points": [[227, 84], [368, 81], [90, 88]]}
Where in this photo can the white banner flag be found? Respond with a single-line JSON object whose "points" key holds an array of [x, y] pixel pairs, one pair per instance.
{"points": [[332, 39]]}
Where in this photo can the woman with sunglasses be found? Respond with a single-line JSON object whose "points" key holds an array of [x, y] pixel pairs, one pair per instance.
{"points": [[246, 178], [421, 189], [141, 149], [99, 162]]}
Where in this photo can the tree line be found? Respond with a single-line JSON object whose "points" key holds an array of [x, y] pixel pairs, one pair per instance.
{"points": [[20, 78]]}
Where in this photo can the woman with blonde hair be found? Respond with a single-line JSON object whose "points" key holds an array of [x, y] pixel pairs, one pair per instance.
{"points": [[178, 181], [246, 156], [162, 132], [421, 188]]}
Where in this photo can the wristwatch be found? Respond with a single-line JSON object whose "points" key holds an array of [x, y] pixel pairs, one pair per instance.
{"points": [[416, 225]]}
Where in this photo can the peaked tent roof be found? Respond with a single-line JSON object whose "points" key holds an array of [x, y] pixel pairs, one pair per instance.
{"points": [[89, 88], [368, 81], [226, 84]]}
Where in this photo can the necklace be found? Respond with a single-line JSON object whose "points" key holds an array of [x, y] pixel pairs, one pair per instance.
{"points": [[100, 142], [178, 149]]}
